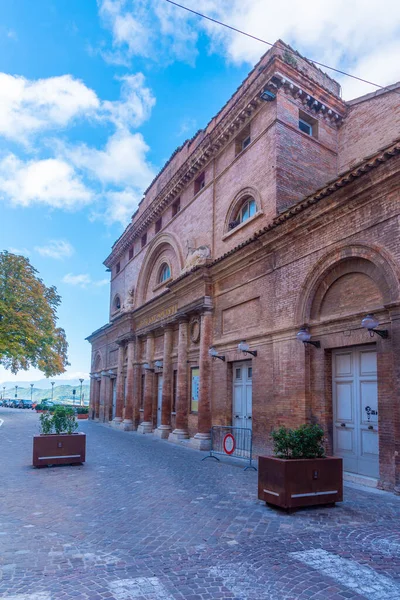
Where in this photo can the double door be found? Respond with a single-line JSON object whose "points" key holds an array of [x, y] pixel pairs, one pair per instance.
{"points": [[355, 409], [242, 394]]}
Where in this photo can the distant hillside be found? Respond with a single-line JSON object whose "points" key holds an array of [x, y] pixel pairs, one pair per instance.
{"points": [[43, 384], [62, 393]]}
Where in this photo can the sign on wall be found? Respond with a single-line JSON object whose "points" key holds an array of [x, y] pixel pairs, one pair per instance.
{"points": [[195, 384], [159, 316]]}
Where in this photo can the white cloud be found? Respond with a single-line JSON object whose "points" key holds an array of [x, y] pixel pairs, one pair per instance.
{"points": [[363, 42], [121, 168], [57, 249], [52, 182], [135, 104], [31, 106], [83, 280], [23, 251]]}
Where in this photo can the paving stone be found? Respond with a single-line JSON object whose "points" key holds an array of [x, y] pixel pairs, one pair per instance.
{"points": [[143, 510]]}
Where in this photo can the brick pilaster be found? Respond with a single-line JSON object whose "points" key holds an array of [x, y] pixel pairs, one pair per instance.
{"points": [[120, 386], [127, 423], [202, 439], [164, 429], [147, 425], [181, 430]]}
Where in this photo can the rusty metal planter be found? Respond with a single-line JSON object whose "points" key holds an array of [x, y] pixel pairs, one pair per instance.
{"points": [[292, 483], [83, 416], [59, 449]]}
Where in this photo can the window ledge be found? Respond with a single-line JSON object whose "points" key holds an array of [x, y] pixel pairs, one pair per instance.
{"points": [[162, 284], [242, 225]]}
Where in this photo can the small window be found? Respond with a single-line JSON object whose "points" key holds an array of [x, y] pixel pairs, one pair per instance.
{"points": [[165, 273], [174, 390], [238, 373], [242, 140], [144, 240], [130, 252], [308, 124], [248, 209], [117, 303], [117, 268], [159, 225], [199, 183], [176, 207], [249, 372]]}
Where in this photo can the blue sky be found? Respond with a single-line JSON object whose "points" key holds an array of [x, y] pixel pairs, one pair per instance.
{"points": [[95, 96]]}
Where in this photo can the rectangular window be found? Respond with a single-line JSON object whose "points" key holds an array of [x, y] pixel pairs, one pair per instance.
{"points": [[194, 389], [130, 252], [142, 393], [174, 390], [159, 225], [144, 240], [308, 124], [176, 207], [199, 183], [117, 267], [242, 140]]}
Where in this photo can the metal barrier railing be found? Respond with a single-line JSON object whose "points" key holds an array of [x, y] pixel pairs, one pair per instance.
{"points": [[232, 441]]}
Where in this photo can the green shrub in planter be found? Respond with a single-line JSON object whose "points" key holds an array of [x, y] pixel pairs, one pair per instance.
{"points": [[62, 420], [82, 410], [304, 442]]}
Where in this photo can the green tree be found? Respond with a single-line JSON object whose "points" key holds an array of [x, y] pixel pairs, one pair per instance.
{"points": [[29, 336]]}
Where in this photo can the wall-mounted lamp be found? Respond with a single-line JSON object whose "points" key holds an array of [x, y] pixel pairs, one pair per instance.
{"points": [[305, 336], [370, 322], [244, 347], [214, 354], [111, 374], [104, 373], [147, 367], [267, 96], [159, 364]]}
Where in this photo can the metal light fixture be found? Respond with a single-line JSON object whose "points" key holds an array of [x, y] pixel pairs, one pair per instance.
{"points": [[370, 322], [147, 367], [244, 347], [213, 352], [305, 336], [158, 364], [103, 374], [111, 374], [267, 96]]}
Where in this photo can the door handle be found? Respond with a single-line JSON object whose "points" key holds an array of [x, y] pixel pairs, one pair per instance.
{"points": [[342, 424], [237, 416], [370, 426], [249, 418]]}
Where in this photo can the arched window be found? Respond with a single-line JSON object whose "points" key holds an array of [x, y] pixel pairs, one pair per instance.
{"points": [[117, 303], [247, 209], [165, 273]]}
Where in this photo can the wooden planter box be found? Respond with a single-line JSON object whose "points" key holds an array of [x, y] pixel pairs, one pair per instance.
{"points": [[78, 416], [300, 482], [59, 449]]}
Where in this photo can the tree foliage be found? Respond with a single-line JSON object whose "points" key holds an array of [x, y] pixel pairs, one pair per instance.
{"points": [[29, 336]]}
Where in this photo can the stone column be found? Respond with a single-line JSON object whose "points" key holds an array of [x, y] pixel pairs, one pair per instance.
{"points": [[127, 423], [164, 429], [137, 372], [182, 401], [97, 398], [120, 386], [147, 424], [202, 439], [92, 407], [102, 395]]}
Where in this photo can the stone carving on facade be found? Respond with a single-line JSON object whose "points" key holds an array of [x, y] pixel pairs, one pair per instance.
{"points": [[196, 257], [130, 299]]}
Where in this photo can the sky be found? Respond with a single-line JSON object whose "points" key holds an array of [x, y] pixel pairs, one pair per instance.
{"points": [[95, 96]]}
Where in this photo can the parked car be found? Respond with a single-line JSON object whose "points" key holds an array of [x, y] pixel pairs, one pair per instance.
{"points": [[25, 404]]}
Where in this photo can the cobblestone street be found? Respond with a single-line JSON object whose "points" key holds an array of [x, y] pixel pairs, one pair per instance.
{"points": [[147, 519]]}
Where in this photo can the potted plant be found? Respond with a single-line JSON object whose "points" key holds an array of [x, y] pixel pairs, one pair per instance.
{"points": [[42, 406], [299, 474], [59, 443], [82, 412]]}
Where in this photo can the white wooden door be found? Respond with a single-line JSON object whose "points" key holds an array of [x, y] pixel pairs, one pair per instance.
{"points": [[114, 397], [159, 398], [355, 410], [242, 394]]}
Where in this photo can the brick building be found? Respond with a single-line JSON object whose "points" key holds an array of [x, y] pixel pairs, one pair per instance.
{"points": [[281, 216]]}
